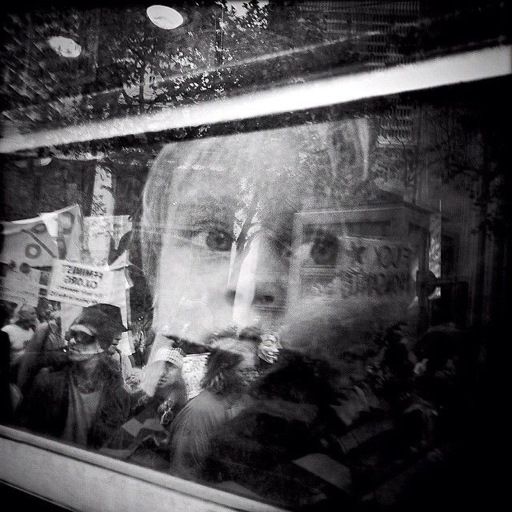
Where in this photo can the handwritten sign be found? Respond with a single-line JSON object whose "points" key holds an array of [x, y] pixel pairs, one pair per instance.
{"points": [[82, 285], [363, 268]]}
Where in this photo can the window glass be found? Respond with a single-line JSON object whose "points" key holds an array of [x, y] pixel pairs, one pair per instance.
{"points": [[295, 305]]}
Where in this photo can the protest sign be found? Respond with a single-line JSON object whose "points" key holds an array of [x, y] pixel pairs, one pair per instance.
{"points": [[364, 268], [82, 285], [351, 274], [20, 287]]}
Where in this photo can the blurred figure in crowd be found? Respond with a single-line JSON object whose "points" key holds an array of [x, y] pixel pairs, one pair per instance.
{"points": [[123, 362], [439, 376], [46, 349], [162, 390], [300, 412], [85, 402], [231, 367], [20, 331]]}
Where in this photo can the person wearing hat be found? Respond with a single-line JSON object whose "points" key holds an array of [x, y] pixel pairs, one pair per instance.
{"points": [[85, 402], [161, 395]]}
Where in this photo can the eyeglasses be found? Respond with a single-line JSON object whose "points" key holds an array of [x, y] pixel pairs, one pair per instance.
{"points": [[82, 338]]}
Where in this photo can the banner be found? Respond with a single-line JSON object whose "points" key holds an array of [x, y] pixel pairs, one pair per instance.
{"points": [[83, 285], [38, 241], [27, 243]]}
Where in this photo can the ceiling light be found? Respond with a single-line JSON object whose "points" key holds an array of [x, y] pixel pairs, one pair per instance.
{"points": [[164, 17], [65, 47]]}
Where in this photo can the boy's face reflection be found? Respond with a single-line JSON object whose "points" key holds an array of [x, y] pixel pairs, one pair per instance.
{"points": [[227, 243], [226, 248]]}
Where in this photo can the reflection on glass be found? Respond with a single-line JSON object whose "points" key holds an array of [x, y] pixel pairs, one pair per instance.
{"points": [[228, 254], [297, 345], [319, 283]]}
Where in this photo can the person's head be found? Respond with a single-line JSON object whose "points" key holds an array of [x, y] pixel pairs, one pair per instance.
{"points": [[219, 216], [48, 310], [94, 331], [231, 366], [438, 347], [168, 364], [236, 232], [113, 348], [26, 317], [269, 347]]}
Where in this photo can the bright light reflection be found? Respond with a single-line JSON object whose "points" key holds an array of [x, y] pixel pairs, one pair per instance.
{"points": [[65, 47], [164, 17]]}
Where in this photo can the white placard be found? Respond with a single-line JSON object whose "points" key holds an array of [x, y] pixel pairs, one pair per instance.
{"points": [[82, 285]]}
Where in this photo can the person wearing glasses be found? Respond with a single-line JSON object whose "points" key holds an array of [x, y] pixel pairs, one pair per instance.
{"points": [[85, 402]]}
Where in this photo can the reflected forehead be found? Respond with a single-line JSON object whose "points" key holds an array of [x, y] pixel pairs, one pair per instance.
{"points": [[191, 183], [202, 195], [231, 187]]}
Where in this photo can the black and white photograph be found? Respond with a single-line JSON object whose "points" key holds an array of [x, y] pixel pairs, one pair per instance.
{"points": [[255, 256]]}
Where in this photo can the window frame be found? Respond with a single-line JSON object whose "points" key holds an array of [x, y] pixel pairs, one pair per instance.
{"points": [[29, 459]]}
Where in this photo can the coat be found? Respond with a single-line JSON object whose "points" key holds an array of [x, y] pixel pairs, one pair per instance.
{"points": [[44, 410]]}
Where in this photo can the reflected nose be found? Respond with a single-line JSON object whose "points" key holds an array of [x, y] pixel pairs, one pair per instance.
{"points": [[270, 275], [259, 276]]}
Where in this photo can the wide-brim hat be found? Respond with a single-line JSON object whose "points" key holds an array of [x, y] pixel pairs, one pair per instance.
{"points": [[101, 320]]}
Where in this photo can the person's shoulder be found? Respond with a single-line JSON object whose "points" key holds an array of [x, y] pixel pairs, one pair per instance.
{"points": [[16, 330], [206, 402], [16, 333]]}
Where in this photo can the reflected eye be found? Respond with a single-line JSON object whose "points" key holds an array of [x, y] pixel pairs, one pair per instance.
{"points": [[218, 240], [324, 250], [215, 239]]}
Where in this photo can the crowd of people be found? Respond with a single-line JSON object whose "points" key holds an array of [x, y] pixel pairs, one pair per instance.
{"points": [[267, 416], [301, 400]]}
